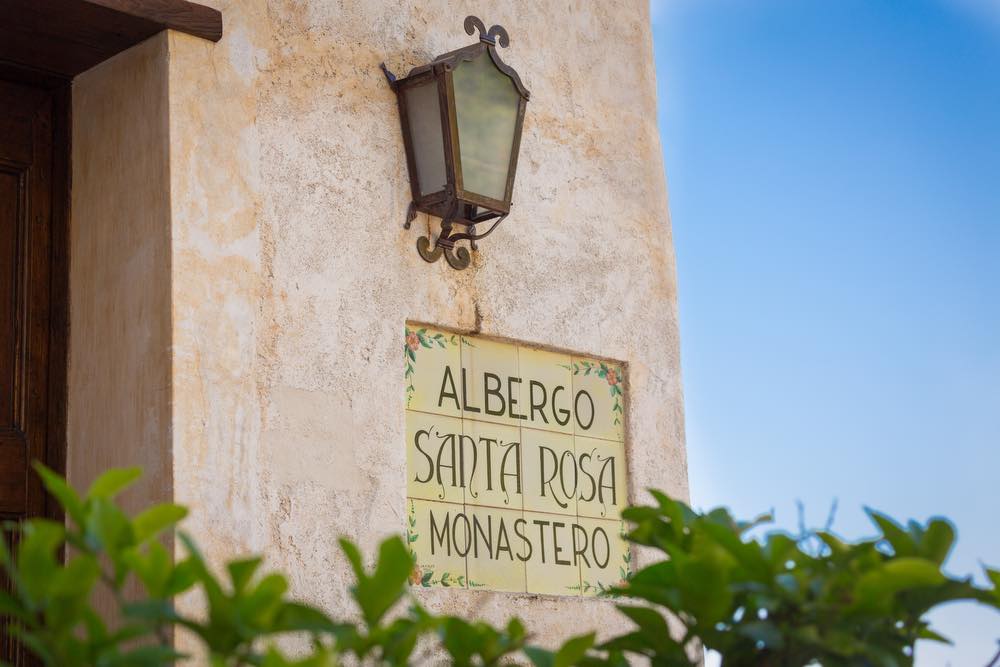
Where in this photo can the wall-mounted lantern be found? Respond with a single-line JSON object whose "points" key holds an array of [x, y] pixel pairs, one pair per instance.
{"points": [[461, 117]]}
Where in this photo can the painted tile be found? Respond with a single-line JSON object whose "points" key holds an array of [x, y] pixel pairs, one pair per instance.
{"points": [[437, 538], [493, 455], [601, 383], [551, 568], [433, 361], [434, 457], [551, 475], [547, 388], [603, 490], [608, 555], [484, 385], [495, 561], [501, 495]]}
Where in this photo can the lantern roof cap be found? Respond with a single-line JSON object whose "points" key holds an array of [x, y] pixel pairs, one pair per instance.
{"points": [[488, 41]]}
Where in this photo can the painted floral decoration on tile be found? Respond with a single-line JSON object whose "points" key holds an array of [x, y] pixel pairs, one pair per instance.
{"points": [[624, 571], [424, 576], [413, 341], [613, 376], [411, 530]]}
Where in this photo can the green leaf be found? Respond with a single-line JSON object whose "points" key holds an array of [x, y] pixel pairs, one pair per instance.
{"points": [[113, 482], [107, 527], [194, 567], [937, 541], [184, 575], [36, 558], [242, 571], [836, 546], [10, 606], [573, 650], [763, 632], [459, 639], [353, 557], [901, 541], [145, 656], [151, 522], [156, 611], [516, 630], [76, 578], [748, 554], [931, 635], [264, 599], [913, 572], [876, 589], [5, 559], [652, 627], [34, 644], [993, 576], [62, 492], [297, 617], [540, 657], [377, 594]]}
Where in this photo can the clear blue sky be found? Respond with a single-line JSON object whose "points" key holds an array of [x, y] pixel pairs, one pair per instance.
{"points": [[834, 175]]}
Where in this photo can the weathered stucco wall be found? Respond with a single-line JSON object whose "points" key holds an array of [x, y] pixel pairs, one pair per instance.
{"points": [[292, 276], [119, 350]]}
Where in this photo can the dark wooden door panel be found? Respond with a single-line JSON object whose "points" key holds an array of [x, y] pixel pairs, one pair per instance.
{"points": [[13, 469], [12, 182], [32, 191]]}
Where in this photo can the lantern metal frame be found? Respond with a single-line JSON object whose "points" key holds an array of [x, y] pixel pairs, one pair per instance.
{"points": [[456, 206]]}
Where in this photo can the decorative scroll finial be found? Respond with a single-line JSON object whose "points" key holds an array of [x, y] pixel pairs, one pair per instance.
{"points": [[495, 35]]}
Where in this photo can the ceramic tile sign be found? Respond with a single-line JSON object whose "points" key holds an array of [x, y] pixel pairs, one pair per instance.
{"points": [[515, 464]]}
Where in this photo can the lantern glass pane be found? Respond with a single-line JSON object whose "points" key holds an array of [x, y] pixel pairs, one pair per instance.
{"points": [[423, 112], [486, 104]]}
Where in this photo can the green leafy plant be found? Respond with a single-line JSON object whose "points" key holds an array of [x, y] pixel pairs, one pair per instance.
{"points": [[773, 601], [51, 613]]}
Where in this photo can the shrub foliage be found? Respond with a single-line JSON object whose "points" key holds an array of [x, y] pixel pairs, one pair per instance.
{"points": [[780, 600]]}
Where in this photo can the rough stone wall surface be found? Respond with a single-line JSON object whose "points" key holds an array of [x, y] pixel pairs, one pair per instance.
{"points": [[292, 276], [120, 331]]}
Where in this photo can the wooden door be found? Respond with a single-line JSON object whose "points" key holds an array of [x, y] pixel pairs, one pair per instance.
{"points": [[33, 267]]}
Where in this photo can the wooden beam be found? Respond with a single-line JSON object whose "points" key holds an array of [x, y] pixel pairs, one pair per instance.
{"points": [[66, 37], [189, 17]]}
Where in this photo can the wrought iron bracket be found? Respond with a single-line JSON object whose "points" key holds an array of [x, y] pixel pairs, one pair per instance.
{"points": [[411, 215], [458, 257], [390, 77]]}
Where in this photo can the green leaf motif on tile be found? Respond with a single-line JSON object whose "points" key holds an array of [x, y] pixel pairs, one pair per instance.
{"points": [[611, 374], [414, 340]]}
